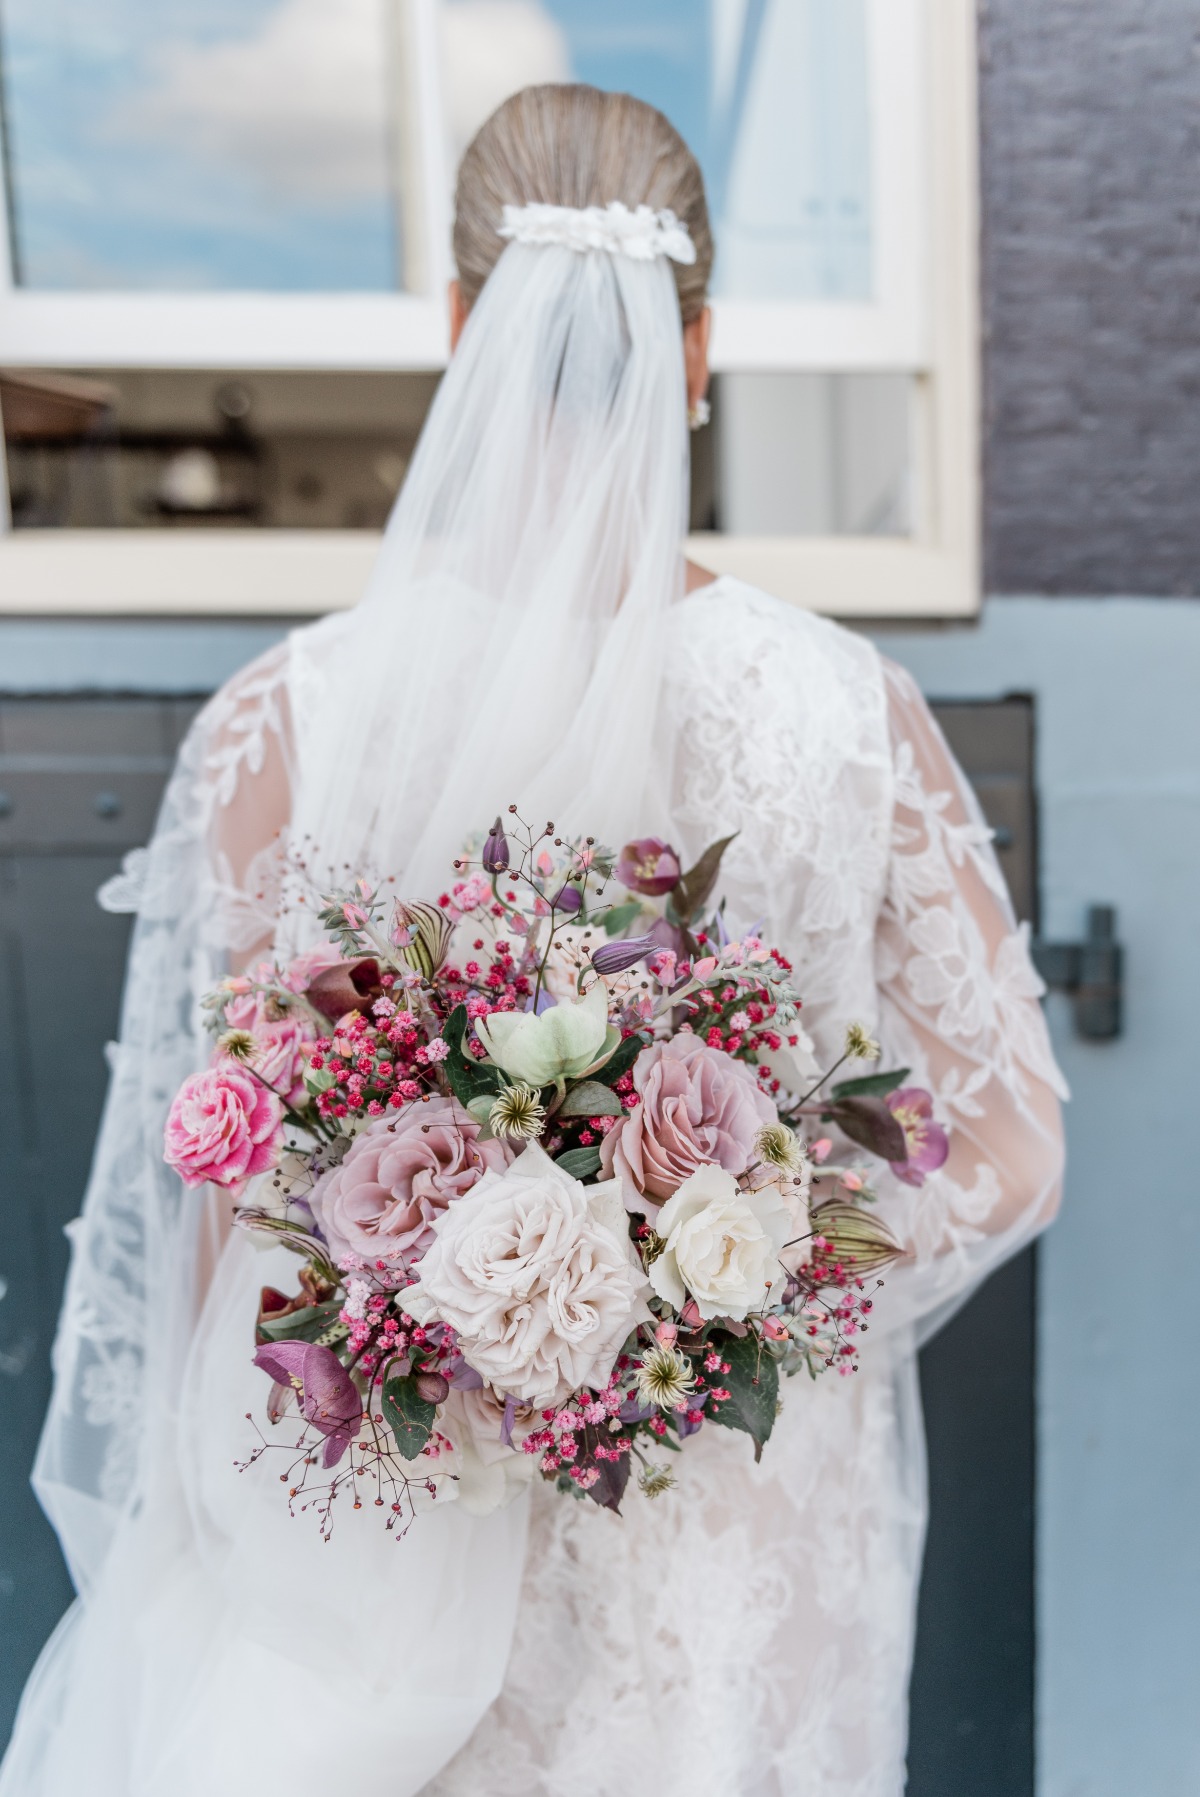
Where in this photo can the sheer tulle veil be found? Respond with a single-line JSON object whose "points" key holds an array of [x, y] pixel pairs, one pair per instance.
{"points": [[512, 645]]}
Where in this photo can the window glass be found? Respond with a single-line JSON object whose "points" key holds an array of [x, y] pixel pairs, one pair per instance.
{"points": [[785, 454], [192, 144], [771, 94]]}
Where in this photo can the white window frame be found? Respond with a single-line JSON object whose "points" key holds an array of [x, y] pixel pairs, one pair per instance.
{"points": [[923, 323]]}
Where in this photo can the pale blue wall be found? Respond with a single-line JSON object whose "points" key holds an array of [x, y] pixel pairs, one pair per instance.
{"points": [[1118, 718], [1118, 690]]}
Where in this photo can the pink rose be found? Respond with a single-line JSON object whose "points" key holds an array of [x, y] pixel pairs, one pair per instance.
{"points": [[224, 1127], [698, 1108], [398, 1177], [278, 1057]]}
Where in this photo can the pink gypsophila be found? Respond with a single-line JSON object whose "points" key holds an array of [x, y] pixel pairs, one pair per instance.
{"points": [[223, 1127]]}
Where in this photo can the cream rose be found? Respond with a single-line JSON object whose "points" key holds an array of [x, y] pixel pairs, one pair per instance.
{"points": [[537, 1275], [722, 1245]]}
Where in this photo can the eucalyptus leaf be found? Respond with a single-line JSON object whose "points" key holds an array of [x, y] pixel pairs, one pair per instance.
{"points": [[621, 916], [872, 1085], [590, 1099], [302, 1325], [408, 1415], [867, 1121], [753, 1385], [579, 1162]]}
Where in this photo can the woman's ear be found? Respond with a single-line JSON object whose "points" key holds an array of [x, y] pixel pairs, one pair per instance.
{"points": [[695, 356], [458, 314]]}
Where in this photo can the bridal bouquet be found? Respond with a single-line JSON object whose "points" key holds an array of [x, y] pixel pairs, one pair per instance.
{"points": [[552, 1151]]}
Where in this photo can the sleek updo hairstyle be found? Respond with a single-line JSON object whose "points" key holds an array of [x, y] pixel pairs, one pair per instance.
{"points": [[577, 146]]}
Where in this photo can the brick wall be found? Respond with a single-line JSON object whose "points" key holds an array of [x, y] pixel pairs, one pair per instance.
{"points": [[1090, 118]]}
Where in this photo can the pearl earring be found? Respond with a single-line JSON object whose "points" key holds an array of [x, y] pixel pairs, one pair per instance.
{"points": [[699, 415]]}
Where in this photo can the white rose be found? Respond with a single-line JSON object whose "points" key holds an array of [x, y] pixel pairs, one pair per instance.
{"points": [[560, 1044], [722, 1245], [537, 1275]]}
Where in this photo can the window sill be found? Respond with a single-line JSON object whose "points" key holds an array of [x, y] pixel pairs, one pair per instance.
{"points": [[230, 573]]}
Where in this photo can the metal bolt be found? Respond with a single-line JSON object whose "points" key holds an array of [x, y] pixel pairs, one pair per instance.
{"points": [[106, 804]]}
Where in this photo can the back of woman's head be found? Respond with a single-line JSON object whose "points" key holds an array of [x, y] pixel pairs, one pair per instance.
{"points": [[576, 146]]}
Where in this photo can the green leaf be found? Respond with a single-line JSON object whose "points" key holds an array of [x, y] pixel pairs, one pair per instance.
{"points": [[590, 1099], [856, 1237], [468, 1077], [696, 885], [872, 1085], [319, 1079], [302, 1325], [621, 916], [408, 1415], [868, 1122], [753, 1385], [620, 1061], [579, 1162]]}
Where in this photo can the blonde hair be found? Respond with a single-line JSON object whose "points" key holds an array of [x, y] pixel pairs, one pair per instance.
{"points": [[569, 145]]}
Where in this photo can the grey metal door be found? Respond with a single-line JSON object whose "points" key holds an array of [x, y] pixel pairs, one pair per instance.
{"points": [[79, 779]]}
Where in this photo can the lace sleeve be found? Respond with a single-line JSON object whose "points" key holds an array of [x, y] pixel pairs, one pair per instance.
{"points": [[959, 1005], [250, 762]]}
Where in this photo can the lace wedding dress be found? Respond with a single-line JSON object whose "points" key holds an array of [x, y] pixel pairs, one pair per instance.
{"points": [[526, 634]]}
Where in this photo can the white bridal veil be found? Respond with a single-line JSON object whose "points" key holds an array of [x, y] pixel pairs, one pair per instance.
{"points": [[517, 643], [510, 646]]}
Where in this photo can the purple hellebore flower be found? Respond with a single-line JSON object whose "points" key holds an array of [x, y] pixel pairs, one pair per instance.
{"points": [[616, 957], [649, 865], [568, 899], [495, 851], [928, 1143], [327, 1395]]}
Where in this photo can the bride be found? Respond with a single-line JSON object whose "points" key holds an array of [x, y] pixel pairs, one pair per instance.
{"points": [[532, 633]]}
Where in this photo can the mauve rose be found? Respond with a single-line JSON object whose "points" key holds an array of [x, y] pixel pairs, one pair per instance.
{"points": [[397, 1179], [699, 1108], [223, 1126]]}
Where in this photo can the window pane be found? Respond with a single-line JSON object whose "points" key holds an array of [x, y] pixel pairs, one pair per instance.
{"points": [[194, 144], [824, 455], [771, 94]]}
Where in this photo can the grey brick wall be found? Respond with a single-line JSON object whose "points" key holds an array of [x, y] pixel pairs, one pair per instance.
{"points": [[1091, 295]]}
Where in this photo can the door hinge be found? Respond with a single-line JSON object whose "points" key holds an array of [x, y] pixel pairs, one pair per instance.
{"points": [[1091, 972]]}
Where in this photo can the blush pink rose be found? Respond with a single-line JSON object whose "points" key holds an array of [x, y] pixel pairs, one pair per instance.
{"points": [[698, 1108], [224, 1127], [398, 1177], [279, 1057]]}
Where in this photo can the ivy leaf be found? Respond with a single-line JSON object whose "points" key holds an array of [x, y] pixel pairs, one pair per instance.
{"points": [[468, 1077], [694, 888], [408, 1415], [753, 1385], [590, 1099], [621, 916], [856, 1237], [579, 1162], [872, 1085], [867, 1121]]}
